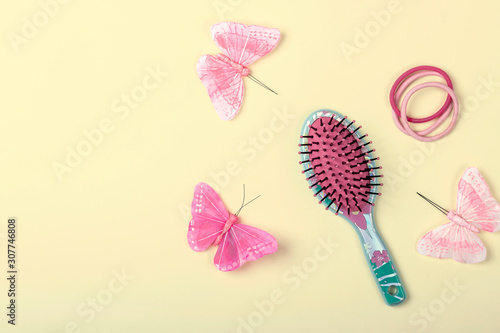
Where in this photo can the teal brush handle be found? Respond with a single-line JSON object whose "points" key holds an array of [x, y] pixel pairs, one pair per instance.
{"points": [[378, 258]]}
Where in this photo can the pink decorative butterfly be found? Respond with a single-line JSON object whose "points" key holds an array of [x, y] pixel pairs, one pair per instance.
{"points": [[212, 224], [223, 74], [476, 209]]}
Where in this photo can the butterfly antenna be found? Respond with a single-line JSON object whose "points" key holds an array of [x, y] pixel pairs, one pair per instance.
{"points": [[441, 209], [254, 79], [243, 204], [250, 201]]}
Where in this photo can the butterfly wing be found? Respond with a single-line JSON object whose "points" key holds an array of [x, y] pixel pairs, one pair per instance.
{"points": [[244, 44], [209, 217], [475, 202], [243, 243], [224, 85], [453, 241]]}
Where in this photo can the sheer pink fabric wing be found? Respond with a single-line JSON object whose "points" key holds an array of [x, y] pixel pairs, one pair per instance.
{"points": [[209, 217], [453, 241], [243, 243], [475, 202], [224, 85], [244, 44]]}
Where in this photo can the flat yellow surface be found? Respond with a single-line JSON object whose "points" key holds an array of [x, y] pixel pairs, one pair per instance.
{"points": [[100, 183]]}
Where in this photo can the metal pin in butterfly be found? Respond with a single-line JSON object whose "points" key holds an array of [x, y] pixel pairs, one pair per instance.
{"points": [[435, 205]]}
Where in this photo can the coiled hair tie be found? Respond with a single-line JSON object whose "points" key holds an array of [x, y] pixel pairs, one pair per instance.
{"points": [[400, 116]]}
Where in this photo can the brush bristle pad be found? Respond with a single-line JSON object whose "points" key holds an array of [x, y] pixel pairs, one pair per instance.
{"points": [[340, 163]]}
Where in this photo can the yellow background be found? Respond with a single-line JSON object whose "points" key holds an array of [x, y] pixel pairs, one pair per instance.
{"points": [[123, 207]]}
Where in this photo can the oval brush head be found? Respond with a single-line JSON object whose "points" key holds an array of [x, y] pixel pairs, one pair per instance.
{"points": [[342, 173], [338, 163]]}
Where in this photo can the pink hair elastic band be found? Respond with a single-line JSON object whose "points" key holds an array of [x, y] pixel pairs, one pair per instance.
{"points": [[402, 83], [400, 116]]}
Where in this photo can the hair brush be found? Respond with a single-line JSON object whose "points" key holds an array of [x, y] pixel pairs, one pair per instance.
{"points": [[342, 173]]}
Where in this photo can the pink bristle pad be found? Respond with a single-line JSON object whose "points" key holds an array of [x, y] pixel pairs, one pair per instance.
{"points": [[338, 161]]}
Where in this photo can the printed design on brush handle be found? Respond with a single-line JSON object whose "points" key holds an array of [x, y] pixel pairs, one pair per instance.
{"points": [[380, 261]]}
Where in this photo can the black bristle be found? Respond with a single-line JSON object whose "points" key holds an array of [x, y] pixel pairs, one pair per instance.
{"points": [[357, 148], [346, 128], [321, 189], [331, 203], [335, 126], [347, 146], [317, 182], [312, 176], [360, 155], [338, 208]]}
